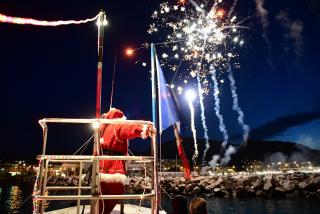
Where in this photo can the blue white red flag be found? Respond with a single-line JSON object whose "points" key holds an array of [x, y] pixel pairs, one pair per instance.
{"points": [[168, 108], [169, 115]]}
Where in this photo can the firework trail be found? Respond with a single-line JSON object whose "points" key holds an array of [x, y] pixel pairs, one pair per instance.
{"points": [[232, 8], [222, 126], [194, 132], [203, 120], [200, 92], [227, 155], [263, 13], [203, 117], [236, 107], [194, 4], [214, 161]]}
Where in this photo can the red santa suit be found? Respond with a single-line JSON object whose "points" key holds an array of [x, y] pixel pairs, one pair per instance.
{"points": [[114, 141]]}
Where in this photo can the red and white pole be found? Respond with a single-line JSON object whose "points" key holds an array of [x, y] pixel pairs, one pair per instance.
{"points": [[101, 22]]}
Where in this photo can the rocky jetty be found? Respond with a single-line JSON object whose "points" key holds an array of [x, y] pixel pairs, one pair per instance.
{"points": [[280, 185], [66, 180], [277, 185]]}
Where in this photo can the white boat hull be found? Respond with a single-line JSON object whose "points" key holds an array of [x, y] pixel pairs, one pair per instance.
{"points": [[128, 209]]}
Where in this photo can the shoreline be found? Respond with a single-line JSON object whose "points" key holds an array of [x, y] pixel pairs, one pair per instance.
{"points": [[278, 185], [295, 185]]}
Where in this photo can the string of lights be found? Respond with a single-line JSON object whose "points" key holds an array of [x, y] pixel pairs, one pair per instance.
{"points": [[30, 21]]}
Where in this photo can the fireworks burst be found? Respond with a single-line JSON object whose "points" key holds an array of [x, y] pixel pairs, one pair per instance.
{"points": [[205, 35], [201, 34]]}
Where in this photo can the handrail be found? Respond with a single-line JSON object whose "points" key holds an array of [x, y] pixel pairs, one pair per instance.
{"points": [[90, 158], [41, 195], [67, 187], [93, 120], [90, 197]]}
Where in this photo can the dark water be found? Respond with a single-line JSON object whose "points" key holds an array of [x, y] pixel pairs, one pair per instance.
{"points": [[14, 199]]}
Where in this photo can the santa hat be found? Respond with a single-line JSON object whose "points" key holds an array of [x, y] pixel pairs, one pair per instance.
{"points": [[114, 114]]}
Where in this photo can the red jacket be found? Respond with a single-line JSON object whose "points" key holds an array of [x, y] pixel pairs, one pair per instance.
{"points": [[114, 141]]}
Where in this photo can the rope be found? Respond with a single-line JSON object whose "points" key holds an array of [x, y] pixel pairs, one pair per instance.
{"points": [[113, 76], [176, 71], [160, 152], [150, 176], [24, 201], [99, 183], [84, 145], [35, 187], [37, 176], [146, 45], [145, 182]]}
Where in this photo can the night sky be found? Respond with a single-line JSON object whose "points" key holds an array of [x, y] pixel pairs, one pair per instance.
{"points": [[51, 71]]}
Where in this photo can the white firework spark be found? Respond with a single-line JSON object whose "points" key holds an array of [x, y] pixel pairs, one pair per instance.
{"points": [[194, 133], [190, 96], [198, 33]]}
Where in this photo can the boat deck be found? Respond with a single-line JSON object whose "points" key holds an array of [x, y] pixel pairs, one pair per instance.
{"points": [[128, 209]]}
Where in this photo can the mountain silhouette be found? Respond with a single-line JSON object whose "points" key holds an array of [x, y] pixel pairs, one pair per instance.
{"points": [[265, 151]]}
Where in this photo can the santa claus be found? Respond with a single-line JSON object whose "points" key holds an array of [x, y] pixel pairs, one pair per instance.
{"points": [[114, 141]]}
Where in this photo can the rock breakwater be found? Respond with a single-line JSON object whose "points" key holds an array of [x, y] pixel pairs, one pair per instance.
{"points": [[279, 185]]}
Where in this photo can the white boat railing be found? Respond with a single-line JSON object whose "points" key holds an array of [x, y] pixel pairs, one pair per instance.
{"points": [[40, 193]]}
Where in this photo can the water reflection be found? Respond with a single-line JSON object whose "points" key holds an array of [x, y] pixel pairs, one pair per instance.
{"points": [[14, 200], [263, 205], [269, 206], [251, 205]]}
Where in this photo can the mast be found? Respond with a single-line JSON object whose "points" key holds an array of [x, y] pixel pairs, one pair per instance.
{"points": [[101, 22], [155, 110], [154, 87], [156, 201]]}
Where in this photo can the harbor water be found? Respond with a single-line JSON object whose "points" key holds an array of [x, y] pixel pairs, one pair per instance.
{"points": [[15, 199]]}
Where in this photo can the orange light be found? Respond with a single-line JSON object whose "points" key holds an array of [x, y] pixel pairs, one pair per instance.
{"points": [[182, 1], [220, 13], [195, 54], [129, 52]]}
